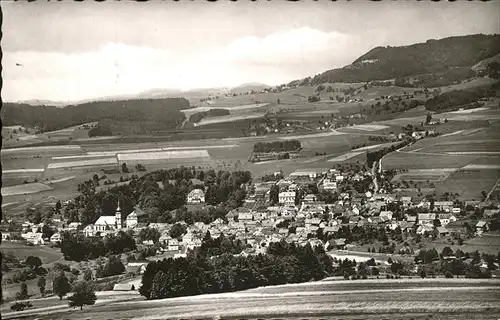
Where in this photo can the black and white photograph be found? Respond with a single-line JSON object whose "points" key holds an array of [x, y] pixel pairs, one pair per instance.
{"points": [[250, 160]]}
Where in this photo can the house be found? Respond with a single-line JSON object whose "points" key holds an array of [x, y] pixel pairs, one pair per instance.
{"points": [[123, 287], [442, 231], [406, 202], [422, 229], [329, 184], [446, 218], [411, 219], [489, 213], [287, 198], [173, 245], [314, 222], [73, 226], [196, 196], [330, 230], [426, 218], [35, 238], [310, 198], [245, 216], [481, 227], [456, 210], [301, 174], [443, 205], [135, 217], [338, 244], [56, 238], [386, 214]]}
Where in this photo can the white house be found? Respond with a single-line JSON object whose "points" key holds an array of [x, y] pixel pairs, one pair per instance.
{"points": [[196, 196], [56, 238], [387, 214], [286, 198], [329, 184]]}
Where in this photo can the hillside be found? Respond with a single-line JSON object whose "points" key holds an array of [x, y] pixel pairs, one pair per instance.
{"points": [[154, 113], [248, 87], [431, 57]]}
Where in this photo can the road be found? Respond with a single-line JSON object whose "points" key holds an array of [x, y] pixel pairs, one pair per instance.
{"points": [[362, 299]]}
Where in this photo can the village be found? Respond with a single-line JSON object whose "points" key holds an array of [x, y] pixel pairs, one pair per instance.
{"points": [[315, 206]]}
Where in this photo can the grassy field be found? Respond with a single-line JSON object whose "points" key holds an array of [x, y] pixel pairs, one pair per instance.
{"points": [[461, 181], [374, 299], [400, 160]]}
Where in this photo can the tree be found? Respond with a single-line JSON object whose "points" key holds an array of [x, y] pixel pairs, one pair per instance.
{"points": [[149, 234], [33, 262], [23, 292], [58, 206], [83, 294], [428, 118], [447, 252], [177, 230], [274, 194], [423, 274], [41, 285], [61, 285], [87, 276]]}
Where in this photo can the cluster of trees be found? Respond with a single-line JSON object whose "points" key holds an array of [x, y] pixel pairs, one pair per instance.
{"points": [[101, 129], [456, 263], [77, 247], [433, 56], [434, 80], [197, 117], [29, 269], [391, 106], [142, 115], [223, 188], [453, 100], [220, 245], [272, 177], [277, 146], [313, 98], [374, 156], [198, 274], [112, 267]]}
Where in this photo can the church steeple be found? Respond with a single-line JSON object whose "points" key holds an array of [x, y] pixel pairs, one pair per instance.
{"points": [[118, 216]]}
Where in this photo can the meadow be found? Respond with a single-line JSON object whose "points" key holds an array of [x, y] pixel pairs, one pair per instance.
{"points": [[374, 299]]}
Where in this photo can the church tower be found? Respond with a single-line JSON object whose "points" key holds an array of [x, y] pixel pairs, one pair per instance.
{"points": [[118, 217]]}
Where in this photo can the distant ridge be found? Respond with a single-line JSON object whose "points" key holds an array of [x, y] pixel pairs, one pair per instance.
{"points": [[432, 56]]}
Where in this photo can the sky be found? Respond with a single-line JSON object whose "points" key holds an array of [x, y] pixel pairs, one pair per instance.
{"points": [[83, 50]]}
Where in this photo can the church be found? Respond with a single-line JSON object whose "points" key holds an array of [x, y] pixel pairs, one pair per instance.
{"points": [[111, 224]]}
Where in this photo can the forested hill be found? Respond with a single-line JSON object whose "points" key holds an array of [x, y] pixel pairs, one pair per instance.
{"points": [[160, 113], [433, 56]]}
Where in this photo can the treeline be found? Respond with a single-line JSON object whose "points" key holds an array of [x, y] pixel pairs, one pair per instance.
{"points": [[373, 156], [277, 146], [197, 117], [433, 80], [453, 100], [102, 129], [151, 113], [458, 263], [433, 56], [77, 247], [198, 274]]}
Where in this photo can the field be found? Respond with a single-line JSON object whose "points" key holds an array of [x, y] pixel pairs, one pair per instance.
{"points": [[461, 181], [24, 189], [374, 299]]}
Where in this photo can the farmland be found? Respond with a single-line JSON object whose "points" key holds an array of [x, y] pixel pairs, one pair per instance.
{"points": [[374, 299]]}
